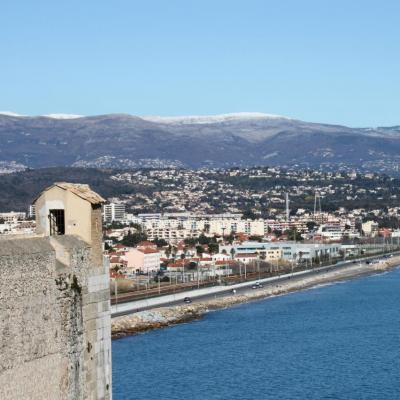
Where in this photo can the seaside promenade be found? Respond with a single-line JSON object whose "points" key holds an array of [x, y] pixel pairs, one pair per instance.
{"points": [[159, 312]]}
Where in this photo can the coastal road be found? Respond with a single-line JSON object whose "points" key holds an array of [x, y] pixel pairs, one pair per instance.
{"points": [[199, 295]]}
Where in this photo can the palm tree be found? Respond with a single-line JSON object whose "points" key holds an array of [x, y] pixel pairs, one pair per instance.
{"points": [[183, 256], [168, 251], [300, 256], [173, 252]]}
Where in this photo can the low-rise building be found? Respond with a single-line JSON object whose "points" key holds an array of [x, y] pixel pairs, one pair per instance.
{"points": [[144, 259], [370, 228], [330, 232], [12, 216], [273, 254], [290, 250]]}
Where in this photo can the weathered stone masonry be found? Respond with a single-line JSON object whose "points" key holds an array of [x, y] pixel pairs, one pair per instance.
{"points": [[54, 320]]}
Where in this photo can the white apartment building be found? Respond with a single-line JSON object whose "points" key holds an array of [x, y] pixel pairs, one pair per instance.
{"points": [[330, 232], [171, 235], [114, 212], [12, 216], [370, 228], [32, 211], [173, 229], [282, 226], [227, 226]]}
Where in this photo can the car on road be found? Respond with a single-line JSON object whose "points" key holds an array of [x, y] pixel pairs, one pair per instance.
{"points": [[257, 286], [187, 300]]}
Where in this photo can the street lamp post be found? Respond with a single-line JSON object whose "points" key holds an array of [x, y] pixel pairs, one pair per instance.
{"points": [[116, 294]]}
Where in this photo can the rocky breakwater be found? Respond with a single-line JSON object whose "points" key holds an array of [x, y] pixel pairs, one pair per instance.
{"points": [[166, 316], [156, 318]]}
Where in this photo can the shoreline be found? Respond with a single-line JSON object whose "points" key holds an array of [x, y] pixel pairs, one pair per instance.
{"points": [[163, 317]]}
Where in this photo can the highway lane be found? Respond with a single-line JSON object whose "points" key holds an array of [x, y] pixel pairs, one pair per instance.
{"points": [[241, 288]]}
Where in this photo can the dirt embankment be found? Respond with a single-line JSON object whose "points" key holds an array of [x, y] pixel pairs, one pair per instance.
{"points": [[165, 316]]}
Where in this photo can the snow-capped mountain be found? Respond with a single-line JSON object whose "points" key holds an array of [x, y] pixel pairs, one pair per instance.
{"points": [[54, 116], [11, 114], [63, 116], [213, 119], [239, 139]]}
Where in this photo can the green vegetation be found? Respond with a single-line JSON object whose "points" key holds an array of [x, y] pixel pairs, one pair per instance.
{"points": [[260, 196], [20, 189], [293, 234], [132, 239], [160, 242]]}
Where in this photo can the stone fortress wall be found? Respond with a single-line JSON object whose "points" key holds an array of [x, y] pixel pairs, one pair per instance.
{"points": [[55, 325]]}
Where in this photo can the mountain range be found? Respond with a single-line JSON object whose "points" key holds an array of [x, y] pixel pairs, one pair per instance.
{"points": [[241, 139]]}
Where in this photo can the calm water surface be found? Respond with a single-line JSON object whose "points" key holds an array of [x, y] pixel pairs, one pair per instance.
{"points": [[333, 342]]}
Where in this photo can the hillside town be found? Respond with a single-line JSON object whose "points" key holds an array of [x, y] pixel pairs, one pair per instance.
{"points": [[218, 225], [256, 191]]}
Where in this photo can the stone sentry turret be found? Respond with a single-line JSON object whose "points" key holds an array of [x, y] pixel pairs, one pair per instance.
{"points": [[55, 339]]}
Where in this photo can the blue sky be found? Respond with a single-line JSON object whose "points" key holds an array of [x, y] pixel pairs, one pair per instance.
{"points": [[316, 60]]}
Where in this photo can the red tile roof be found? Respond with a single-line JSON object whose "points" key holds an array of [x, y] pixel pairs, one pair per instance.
{"points": [[146, 250], [146, 243]]}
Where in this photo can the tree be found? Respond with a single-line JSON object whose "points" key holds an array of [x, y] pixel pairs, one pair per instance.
{"points": [[204, 239], [249, 214], [106, 246], [213, 248], [199, 250], [168, 251], [277, 233], [160, 242], [173, 252], [132, 239], [192, 265], [300, 256], [293, 234], [190, 241], [230, 238], [233, 253], [255, 238], [311, 225], [138, 227], [116, 225], [116, 268]]}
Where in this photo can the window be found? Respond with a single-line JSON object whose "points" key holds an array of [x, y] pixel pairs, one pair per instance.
{"points": [[57, 222]]}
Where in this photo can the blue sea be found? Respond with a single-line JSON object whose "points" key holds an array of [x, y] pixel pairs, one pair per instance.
{"points": [[340, 341]]}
